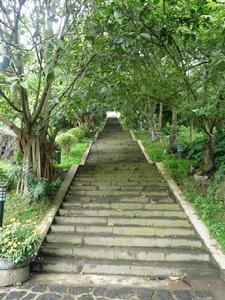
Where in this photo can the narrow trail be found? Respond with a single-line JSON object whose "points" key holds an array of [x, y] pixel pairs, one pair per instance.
{"points": [[120, 234]]}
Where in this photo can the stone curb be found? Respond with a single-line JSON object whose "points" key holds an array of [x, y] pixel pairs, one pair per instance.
{"points": [[43, 228], [86, 153], [211, 244], [141, 146]]}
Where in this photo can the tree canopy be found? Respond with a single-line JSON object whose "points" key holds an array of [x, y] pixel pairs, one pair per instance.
{"points": [[74, 60]]}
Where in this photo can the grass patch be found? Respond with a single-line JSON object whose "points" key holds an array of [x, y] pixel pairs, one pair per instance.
{"points": [[4, 171], [154, 150], [207, 200], [209, 207], [76, 153], [22, 210]]}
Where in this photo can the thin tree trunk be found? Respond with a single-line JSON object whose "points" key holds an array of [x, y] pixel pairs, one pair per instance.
{"points": [[208, 155], [173, 133], [36, 159], [159, 127]]}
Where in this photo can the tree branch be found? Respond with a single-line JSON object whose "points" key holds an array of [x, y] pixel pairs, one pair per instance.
{"points": [[10, 124], [10, 102]]}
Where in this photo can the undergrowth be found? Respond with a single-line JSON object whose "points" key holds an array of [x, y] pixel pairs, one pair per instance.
{"points": [[207, 198], [23, 210], [75, 155]]}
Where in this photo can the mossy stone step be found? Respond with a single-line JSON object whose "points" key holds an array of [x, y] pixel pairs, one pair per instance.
{"points": [[124, 230], [114, 221], [110, 267], [80, 192], [126, 253], [119, 217], [122, 206], [119, 212], [127, 241]]}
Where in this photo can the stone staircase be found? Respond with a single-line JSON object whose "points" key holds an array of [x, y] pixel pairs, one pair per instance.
{"points": [[120, 218]]}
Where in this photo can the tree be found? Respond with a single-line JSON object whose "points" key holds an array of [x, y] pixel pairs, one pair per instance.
{"points": [[38, 38]]}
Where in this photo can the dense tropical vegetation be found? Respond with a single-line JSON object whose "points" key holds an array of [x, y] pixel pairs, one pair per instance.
{"points": [[161, 63]]}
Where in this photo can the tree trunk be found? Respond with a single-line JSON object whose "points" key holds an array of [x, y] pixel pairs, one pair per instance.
{"points": [[208, 155], [36, 159], [208, 150], [173, 133], [159, 126]]}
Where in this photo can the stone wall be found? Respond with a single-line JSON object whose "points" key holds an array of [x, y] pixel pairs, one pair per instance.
{"points": [[8, 144]]}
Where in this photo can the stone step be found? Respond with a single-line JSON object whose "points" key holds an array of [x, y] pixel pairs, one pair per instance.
{"points": [[126, 184], [120, 205], [124, 230], [116, 180], [128, 193], [114, 221], [125, 253], [119, 174], [128, 268], [119, 212], [116, 166], [119, 217], [128, 189], [127, 241], [118, 199]]}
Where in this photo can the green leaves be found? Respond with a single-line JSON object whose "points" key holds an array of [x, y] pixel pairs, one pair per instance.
{"points": [[145, 35], [50, 77], [118, 17]]}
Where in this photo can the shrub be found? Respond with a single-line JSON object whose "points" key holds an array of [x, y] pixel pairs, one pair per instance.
{"points": [[178, 168], [65, 141], [18, 157], [38, 188], [77, 132], [194, 149], [86, 130], [18, 241], [3, 177]]}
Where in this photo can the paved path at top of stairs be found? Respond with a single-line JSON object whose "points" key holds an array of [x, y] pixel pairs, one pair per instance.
{"points": [[120, 218]]}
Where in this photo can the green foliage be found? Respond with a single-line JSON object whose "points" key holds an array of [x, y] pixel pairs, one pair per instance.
{"points": [[3, 177], [4, 172], [24, 210], [183, 134], [178, 168], [77, 132], [209, 206], [18, 157], [209, 201], [38, 188], [194, 149], [18, 241], [86, 130], [155, 150], [76, 153], [219, 149], [65, 140]]}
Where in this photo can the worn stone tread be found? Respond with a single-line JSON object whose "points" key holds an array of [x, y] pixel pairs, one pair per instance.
{"points": [[119, 217]]}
